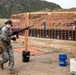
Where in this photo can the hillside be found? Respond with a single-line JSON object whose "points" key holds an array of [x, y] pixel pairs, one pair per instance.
{"points": [[8, 7]]}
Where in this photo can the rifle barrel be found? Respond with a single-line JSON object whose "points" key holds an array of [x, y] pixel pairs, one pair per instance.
{"points": [[25, 28]]}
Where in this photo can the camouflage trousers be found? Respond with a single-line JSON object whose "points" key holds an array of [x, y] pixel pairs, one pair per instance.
{"points": [[7, 55]]}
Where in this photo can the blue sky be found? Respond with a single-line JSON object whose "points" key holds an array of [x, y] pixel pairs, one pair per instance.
{"points": [[64, 3]]}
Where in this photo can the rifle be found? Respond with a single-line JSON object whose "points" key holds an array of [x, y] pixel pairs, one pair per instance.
{"points": [[16, 32]]}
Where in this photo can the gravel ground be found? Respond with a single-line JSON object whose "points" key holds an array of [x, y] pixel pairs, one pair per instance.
{"points": [[45, 64]]}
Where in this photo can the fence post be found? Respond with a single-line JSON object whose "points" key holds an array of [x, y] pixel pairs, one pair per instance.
{"points": [[26, 35], [44, 28]]}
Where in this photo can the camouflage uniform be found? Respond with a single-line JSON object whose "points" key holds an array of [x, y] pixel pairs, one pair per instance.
{"points": [[7, 52]]}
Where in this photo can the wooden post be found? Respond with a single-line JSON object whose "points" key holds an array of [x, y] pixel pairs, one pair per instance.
{"points": [[75, 53], [26, 40], [26, 35]]}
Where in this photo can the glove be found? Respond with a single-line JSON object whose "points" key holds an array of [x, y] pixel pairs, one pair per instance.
{"points": [[14, 38]]}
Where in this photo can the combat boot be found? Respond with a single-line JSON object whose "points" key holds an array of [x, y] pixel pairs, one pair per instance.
{"points": [[2, 66], [12, 72]]}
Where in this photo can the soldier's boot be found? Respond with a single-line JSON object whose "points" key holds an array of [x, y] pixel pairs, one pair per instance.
{"points": [[12, 72], [2, 66]]}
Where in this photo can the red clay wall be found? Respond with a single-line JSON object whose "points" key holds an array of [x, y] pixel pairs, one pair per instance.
{"points": [[53, 19]]}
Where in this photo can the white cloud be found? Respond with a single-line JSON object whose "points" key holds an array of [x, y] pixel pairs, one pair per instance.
{"points": [[64, 3]]}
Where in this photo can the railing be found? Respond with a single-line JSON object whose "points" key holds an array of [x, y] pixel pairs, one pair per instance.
{"points": [[53, 34]]}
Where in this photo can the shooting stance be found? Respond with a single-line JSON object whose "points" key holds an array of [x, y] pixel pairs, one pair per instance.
{"points": [[6, 51]]}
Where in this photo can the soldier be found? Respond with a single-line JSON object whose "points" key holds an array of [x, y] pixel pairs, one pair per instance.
{"points": [[6, 48]]}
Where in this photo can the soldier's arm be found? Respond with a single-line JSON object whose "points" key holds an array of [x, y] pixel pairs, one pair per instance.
{"points": [[4, 36]]}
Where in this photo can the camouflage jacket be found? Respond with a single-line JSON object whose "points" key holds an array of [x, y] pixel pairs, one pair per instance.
{"points": [[4, 35]]}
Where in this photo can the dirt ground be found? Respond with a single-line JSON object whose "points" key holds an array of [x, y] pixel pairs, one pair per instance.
{"points": [[43, 64]]}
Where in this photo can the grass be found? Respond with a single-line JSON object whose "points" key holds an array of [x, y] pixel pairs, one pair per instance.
{"points": [[2, 21], [47, 61], [46, 44]]}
